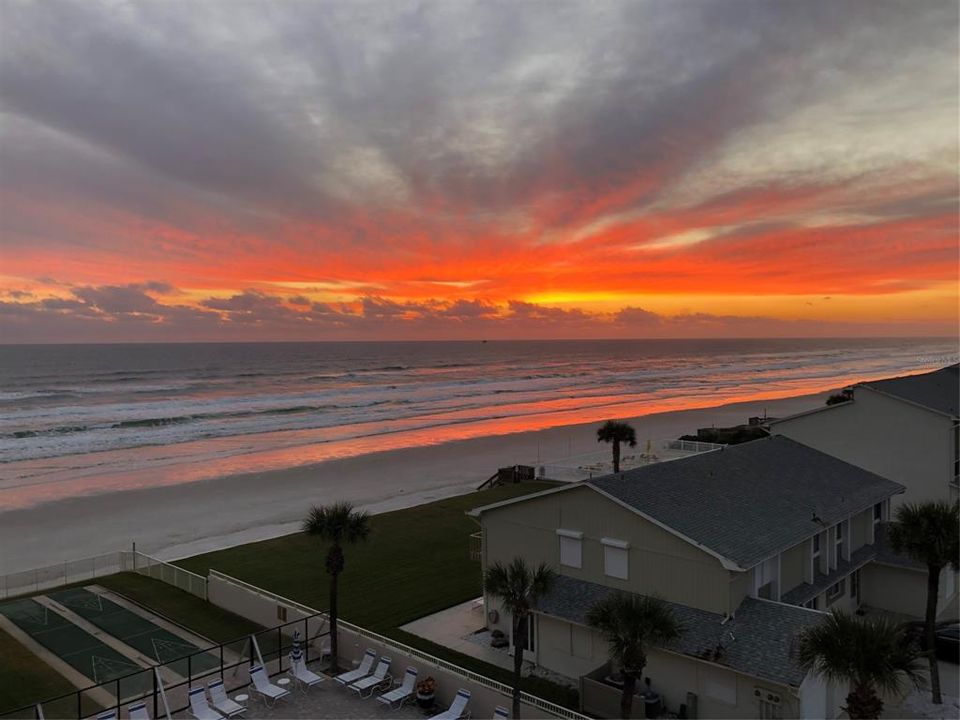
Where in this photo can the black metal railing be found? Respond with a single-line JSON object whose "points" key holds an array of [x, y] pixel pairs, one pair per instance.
{"points": [[229, 661]]}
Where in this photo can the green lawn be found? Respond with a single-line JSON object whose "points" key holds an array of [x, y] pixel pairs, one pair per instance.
{"points": [[415, 563], [203, 618], [24, 677]]}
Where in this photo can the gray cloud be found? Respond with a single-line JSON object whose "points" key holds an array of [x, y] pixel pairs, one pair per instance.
{"points": [[114, 313], [305, 109]]}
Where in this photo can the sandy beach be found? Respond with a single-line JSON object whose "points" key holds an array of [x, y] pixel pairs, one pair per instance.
{"points": [[185, 519]]}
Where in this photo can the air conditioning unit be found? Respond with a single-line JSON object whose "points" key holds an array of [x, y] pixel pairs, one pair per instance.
{"points": [[767, 696]]}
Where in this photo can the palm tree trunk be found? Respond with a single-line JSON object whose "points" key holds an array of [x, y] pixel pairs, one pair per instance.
{"points": [[626, 698], [863, 703], [616, 455], [933, 590], [519, 638], [334, 667]]}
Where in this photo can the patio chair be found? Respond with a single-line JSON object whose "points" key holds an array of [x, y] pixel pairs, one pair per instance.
{"points": [[362, 670], [269, 692], [138, 711], [221, 702], [379, 678], [199, 707], [457, 711], [302, 675], [403, 693], [500, 713]]}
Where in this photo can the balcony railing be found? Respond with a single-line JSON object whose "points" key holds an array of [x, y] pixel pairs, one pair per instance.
{"points": [[476, 546]]}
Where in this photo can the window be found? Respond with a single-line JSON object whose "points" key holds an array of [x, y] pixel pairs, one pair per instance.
{"points": [[835, 591], [947, 582], [571, 548], [839, 541], [956, 453], [616, 558], [766, 579], [811, 604], [816, 553], [855, 586]]}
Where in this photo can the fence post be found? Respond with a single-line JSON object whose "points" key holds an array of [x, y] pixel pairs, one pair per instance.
{"points": [[154, 690]]}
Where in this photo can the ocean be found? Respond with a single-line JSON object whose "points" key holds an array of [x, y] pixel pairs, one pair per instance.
{"points": [[71, 415]]}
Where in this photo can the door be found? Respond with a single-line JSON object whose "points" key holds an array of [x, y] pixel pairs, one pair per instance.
{"points": [[530, 651]]}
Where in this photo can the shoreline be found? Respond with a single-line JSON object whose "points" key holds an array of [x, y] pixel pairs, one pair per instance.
{"points": [[180, 520]]}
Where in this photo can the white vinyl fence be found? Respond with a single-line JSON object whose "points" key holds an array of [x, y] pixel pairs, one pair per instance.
{"points": [[72, 571]]}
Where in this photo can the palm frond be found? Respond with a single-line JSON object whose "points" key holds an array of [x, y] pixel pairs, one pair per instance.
{"points": [[632, 624], [927, 532], [617, 430], [337, 523], [870, 651], [518, 587]]}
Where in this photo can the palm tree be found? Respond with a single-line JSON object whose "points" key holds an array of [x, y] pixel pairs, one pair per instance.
{"points": [[337, 524], [519, 589], [870, 653], [616, 432], [632, 624], [927, 532]]}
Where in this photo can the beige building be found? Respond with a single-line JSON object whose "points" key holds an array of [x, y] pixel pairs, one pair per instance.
{"points": [[905, 429], [747, 543]]}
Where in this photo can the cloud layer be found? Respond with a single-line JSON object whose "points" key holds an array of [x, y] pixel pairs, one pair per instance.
{"points": [[477, 162]]}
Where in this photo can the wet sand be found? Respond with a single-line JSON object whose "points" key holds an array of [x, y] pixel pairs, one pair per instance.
{"points": [[185, 519]]}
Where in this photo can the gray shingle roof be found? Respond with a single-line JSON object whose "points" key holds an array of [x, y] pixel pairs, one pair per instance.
{"points": [[757, 641], [938, 390], [747, 502]]}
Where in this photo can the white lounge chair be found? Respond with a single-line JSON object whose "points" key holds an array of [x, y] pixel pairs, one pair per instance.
{"points": [[269, 692], [362, 670], [458, 710], [304, 677], [500, 713], [223, 704], [199, 707], [138, 711], [379, 678], [404, 692], [108, 715]]}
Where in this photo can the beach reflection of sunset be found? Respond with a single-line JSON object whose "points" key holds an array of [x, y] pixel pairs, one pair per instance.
{"points": [[40, 481]]}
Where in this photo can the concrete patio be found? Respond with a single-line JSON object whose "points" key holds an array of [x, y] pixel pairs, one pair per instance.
{"points": [[327, 701], [459, 628]]}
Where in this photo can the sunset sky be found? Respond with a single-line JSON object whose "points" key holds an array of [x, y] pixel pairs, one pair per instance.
{"points": [[393, 170]]}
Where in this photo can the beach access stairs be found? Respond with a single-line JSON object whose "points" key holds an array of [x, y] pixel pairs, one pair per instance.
{"points": [[514, 474]]}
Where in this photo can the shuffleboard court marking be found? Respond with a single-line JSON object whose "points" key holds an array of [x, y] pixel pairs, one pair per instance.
{"points": [[165, 650], [105, 669]]}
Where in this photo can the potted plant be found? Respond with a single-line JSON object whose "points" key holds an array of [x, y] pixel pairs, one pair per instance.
{"points": [[426, 690]]}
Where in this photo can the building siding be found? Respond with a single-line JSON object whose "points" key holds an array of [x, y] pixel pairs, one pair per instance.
{"points": [[660, 563], [895, 439], [671, 675]]}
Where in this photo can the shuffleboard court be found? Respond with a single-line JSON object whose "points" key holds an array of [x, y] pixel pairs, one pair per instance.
{"points": [[76, 646], [137, 631]]}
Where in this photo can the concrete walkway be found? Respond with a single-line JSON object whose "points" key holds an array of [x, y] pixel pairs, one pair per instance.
{"points": [[453, 628]]}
